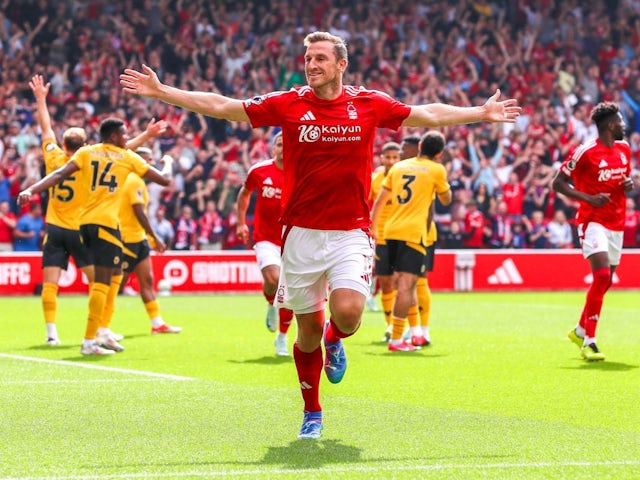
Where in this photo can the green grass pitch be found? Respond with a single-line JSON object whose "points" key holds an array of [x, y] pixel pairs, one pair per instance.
{"points": [[501, 393]]}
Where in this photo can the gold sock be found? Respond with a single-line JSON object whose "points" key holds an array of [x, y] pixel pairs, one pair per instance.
{"points": [[110, 304], [412, 316], [398, 327], [153, 309], [50, 302], [424, 301], [388, 300], [97, 300]]}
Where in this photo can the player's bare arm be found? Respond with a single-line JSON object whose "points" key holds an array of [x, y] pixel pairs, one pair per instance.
{"points": [[40, 92], [147, 84], [441, 115], [242, 230], [50, 180], [143, 220], [562, 184], [162, 177], [376, 211], [153, 130]]}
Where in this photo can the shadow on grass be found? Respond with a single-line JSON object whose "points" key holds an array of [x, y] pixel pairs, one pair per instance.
{"points": [[267, 360], [52, 348], [301, 454], [605, 366]]}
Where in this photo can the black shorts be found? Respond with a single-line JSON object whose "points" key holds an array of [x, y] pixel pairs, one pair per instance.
{"points": [[404, 258], [59, 243], [133, 254], [430, 258], [381, 259], [104, 245]]}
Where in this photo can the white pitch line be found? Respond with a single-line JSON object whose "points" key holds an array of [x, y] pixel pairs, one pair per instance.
{"points": [[336, 469], [83, 382], [90, 366]]}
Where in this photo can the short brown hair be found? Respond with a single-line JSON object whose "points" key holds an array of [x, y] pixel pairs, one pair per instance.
{"points": [[339, 45]]}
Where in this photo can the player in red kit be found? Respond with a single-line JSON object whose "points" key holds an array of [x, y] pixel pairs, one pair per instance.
{"points": [[328, 133], [600, 174], [267, 178]]}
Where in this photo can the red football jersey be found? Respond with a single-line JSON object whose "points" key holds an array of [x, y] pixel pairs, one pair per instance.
{"points": [[267, 180], [328, 151], [596, 168]]}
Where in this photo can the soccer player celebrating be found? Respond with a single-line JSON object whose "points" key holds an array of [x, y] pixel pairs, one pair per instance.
{"points": [[328, 132], [410, 186], [267, 179], [66, 200], [103, 170], [598, 175]]}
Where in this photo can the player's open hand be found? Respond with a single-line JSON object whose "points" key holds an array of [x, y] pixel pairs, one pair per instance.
{"points": [[40, 89], [145, 83], [505, 111], [156, 128]]}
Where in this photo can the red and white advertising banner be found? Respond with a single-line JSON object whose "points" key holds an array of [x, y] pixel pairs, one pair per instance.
{"points": [[455, 270]]}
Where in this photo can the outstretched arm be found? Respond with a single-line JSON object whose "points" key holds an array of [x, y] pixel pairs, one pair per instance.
{"points": [[40, 91], [440, 115], [153, 130], [50, 180], [147, 84]]}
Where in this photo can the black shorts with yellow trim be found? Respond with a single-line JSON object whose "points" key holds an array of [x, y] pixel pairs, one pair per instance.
{"points": [[381, 260], [430, 258], [104, 245], [133, 254], [59, 244], [406, 257]]}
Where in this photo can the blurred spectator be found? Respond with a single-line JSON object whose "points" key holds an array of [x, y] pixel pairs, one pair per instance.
{"points": [[29, 230], [498, 230], [538, 233], [211, 228], [560, 231], [473, 226], [186, 230], [163, 227], [631, 236], [7, 224]]}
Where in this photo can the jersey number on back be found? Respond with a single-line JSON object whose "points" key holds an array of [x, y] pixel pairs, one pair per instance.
{"points": [[102, 178], [406, 188], [62, 192]]}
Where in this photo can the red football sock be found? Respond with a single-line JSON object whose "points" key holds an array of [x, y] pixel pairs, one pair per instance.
{"points": [[333, 333], [595, 297], [309, 367], [269, 297], [285, 318]]}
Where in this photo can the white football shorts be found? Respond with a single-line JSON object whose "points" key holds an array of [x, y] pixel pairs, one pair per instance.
{"points": [[597, 238], [317, 261], [267, 253]]}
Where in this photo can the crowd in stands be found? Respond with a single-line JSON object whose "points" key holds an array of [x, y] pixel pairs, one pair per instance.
{"points": [[557, 57]]}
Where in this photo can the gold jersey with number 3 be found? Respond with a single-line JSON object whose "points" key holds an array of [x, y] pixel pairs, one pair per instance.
{"points": [[413, 182]]}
